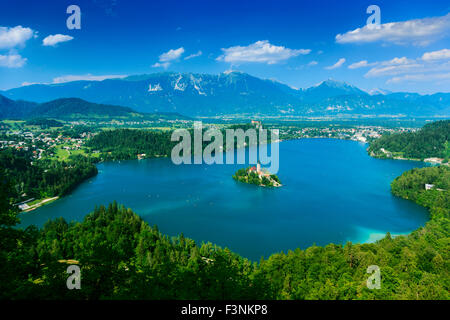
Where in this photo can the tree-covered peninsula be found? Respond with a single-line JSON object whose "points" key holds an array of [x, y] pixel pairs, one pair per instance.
{"points": [[37, 179], [431, 141]]}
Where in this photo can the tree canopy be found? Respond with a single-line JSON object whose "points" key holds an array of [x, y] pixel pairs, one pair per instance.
{"points": [[430, 141]]}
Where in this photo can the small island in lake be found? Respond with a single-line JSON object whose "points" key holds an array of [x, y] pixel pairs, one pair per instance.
{"points": [[257, 176]]}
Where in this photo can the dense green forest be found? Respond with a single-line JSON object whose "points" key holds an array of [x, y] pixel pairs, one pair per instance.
{"points": [[121, 256], [430, 141], [44, 123], [411, 186], [43, 178], [125, 144]]}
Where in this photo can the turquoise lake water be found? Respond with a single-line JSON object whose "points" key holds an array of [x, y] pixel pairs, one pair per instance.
{"points": [[332, 192]]}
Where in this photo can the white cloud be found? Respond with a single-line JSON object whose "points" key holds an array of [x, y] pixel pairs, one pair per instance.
{"points": [[398, 61], [420, 77], [12, 61], [70, 78], [360, 64], [420, 69], [260, 51], [394, 66], [14, 37], [312, 63], [166, 58], [172, 54], [87, 77], [53, 40], [389, 66], [164, 65], [24, 84], [416, 32], [436, 55], [194, 55], [338, 64], [380, 71]]}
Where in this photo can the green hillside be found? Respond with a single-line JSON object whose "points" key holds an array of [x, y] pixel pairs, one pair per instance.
{"points": [[430, 141], [77, 108], [73, 109]]}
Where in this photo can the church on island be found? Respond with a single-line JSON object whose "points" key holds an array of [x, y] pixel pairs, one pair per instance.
{"points": [[257, 176], [258, 171]]}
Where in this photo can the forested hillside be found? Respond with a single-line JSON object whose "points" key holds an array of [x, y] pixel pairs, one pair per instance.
{"points": [[124, 144], [10, 109], [71, 109], [121, 256], [43, 178], [80, 109], [430, 141], [410, 185]]}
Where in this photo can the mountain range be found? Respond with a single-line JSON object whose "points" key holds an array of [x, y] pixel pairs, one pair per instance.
{"points": [[236, 93]]}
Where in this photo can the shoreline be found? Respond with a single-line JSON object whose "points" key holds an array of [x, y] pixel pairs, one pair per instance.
{"points": [[40, 204]]}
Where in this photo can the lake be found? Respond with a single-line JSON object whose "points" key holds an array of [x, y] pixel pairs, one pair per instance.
{"points": [[332, 192]]}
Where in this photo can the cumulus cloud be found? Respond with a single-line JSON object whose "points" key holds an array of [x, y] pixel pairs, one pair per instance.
{"points": [[360, 64], [70, 78], [338, 64], [164, 65], [420, 77], [436, 55], [166, 58], [380, 71], [417, 32], [87, 77], [260, 51], [194, 55], [429, 67], [26, 83], [393, 67], [397, 61], [14, 37], [12, 61], [53, 40], [172, 54]]}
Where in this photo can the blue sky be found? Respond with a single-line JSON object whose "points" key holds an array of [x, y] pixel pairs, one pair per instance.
{"points": [[299, 43]]}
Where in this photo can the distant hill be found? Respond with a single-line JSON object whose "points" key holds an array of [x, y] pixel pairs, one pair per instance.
{"points": [[78, 108], [44, 123], [15, 109], [72, 109], [232, 93], [430, 141]]}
